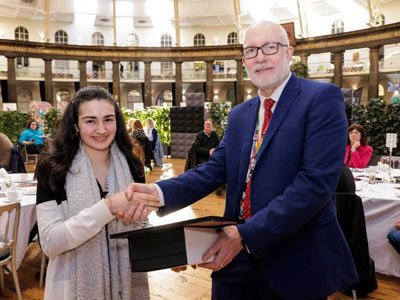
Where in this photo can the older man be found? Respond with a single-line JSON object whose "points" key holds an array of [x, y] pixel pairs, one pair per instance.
{"points": [[281, 157], [206, 142]]}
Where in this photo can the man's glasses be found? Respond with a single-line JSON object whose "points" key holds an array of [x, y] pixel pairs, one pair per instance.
{"points": [[267, 49]]}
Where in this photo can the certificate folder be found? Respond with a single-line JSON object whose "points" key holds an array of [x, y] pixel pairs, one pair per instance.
{"points": [[171, 245]]}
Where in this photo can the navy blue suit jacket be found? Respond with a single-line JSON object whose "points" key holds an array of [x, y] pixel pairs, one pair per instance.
{"points": [[293, 231]]}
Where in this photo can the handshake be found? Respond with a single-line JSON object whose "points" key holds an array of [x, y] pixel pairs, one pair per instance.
{"points": [[135, 203]]}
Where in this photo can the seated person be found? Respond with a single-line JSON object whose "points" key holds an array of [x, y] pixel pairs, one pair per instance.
{"points": [[139, 137], [32, 137], [358, 153], [5, 151], [206, 141], [394, 237]]}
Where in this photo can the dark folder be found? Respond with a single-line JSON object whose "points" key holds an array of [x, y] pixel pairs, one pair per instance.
{"points": [[172, 245]]}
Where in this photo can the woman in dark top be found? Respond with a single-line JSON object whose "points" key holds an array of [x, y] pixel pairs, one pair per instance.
{"points": [[81, 188]]}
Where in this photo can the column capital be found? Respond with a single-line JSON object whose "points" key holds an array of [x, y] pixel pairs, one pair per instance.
{"points": [[178, 62], [46, 59], [82, 61]]}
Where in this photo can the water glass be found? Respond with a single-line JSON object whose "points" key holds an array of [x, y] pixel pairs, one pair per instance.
{"points": [[371, 174]]}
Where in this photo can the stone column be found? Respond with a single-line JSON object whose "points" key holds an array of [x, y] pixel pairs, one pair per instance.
{"points": [[116, 82], [82, 74], [48, 82], [373, 77], [178, 83], [147, 84], [209, 81], [304, 58], [239, 82], [338, 73], [11, 80]]}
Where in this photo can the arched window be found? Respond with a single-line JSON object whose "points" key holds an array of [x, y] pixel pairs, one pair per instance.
{"points": [[97, 39], [61, 37], [199, 40], [21, 34], [63, 95], [378, 19], [24, 97], [230, 95], [132, 39], [133, 97], [232, 38], [164, 97], [166, 40], [381, 90], [337, 27]]}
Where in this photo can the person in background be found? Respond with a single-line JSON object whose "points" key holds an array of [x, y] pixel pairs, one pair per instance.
{"points": [[140, 139], [394, 237], [289, 245], [358, 152], [5, 151], [206, 142], [129, 127], [80, 189], [32, 137], [154, 138]]}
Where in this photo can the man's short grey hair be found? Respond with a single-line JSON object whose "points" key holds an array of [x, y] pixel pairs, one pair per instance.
{"points": [[282, 32]]}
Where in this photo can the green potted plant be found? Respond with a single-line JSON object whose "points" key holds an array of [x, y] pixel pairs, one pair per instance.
{"points": [[50, 120], [218, 113], [300, 69], [12, 123]]}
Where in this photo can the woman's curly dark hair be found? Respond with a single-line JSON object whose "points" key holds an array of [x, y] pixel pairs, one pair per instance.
{"points": [[52, 167]]}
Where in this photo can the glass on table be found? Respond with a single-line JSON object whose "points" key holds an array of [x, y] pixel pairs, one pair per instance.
{"points": [[371, 175]]}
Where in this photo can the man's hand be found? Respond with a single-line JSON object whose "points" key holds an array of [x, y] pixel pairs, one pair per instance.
{"points": [[136, 204], [211, 151], [397, 224], [144, 208], [225, 248]]}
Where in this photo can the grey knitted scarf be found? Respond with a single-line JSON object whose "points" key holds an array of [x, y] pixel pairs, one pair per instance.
{"points": [[100, 268]]}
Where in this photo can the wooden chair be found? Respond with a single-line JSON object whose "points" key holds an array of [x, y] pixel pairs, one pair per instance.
{"points": [[43, 266], [30, 158], [8, 245]]}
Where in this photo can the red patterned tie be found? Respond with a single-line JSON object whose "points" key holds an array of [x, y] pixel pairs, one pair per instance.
{"points": [[246, 210]]}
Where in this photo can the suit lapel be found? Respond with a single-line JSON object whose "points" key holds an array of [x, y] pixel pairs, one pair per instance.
{"points": [[249, 125], [286, 99]]}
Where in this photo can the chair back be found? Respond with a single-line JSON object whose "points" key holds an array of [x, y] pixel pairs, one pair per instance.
{"points": [[30, 158], [395, 161], [9, 220]]}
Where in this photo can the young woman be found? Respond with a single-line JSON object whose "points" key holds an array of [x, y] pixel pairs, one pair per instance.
{"points": [[32, 137], [78, 195], [154, 138], [358, 153]]}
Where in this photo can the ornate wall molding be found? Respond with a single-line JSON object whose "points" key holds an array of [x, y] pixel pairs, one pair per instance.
{"points": [[365, 38]]}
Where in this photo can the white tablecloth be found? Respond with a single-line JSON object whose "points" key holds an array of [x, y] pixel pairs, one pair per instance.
{"points": [[382, 210], [27, 216]]}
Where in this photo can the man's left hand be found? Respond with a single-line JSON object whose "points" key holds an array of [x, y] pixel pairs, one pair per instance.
{"points": [[225, 248]]}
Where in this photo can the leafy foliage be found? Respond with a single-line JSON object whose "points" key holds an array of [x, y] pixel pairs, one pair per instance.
{"points": [[161, 118], [50, 120], [378, 118], [300, 69], [218, 113], [12, 123]]}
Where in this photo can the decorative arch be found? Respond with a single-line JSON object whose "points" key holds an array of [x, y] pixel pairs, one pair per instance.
{"points": [[97, 39], [61, 37], [199, 40]]}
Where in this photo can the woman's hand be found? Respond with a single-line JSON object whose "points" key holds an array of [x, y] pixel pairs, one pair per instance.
{"points": [[137, 204], [135, 213], [355, 145]]}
